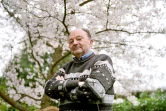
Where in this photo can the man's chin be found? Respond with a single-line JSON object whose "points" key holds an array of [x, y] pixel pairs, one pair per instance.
{"points": [[77, 52]]}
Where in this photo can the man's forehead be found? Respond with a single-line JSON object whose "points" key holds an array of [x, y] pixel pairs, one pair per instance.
{"points": [[77, 32]]}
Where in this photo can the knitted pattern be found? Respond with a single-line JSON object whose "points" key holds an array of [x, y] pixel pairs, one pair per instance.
{"points": [[96, 93]]}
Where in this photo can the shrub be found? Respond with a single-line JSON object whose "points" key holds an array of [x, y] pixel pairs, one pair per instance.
{"points": [[154, 101]]}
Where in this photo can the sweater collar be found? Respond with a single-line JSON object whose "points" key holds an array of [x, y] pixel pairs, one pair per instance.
{"points": [[83, 57]]}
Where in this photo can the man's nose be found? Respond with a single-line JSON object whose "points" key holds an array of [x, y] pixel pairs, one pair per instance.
{"points": [[75, 42]]}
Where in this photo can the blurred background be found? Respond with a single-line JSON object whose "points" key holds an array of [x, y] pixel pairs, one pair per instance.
{"points": [[33, 45]]}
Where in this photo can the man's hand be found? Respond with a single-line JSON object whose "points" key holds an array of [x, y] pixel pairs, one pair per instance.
{"points": [[81, 84], [59, 78]]}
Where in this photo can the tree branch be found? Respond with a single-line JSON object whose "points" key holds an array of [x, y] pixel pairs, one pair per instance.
{"points": [[25, 95], [108, 6], [125, 31], [40, 68], [108, 42], [12, 102], [56, 63], [64, 17], [85, 2], [11, 14]]}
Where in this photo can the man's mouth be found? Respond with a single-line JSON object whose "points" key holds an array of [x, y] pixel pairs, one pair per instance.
{"points": [[75, 48]]}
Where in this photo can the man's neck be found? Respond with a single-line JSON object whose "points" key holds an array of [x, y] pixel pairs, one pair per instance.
{"points": [[83, 56]]}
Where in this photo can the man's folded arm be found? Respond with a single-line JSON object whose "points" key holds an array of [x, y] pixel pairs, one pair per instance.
{"points": [[57, 88], [96, 85]]}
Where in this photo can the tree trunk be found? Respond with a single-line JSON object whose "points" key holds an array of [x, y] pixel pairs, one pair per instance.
{"points": [[12, 102], [45, 102]]}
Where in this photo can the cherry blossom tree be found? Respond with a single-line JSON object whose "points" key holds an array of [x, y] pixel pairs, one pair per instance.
{"points": [[124, 29]]}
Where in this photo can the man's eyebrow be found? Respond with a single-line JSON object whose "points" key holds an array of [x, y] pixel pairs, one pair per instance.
{"points": [[79, 36], [70, 39]]}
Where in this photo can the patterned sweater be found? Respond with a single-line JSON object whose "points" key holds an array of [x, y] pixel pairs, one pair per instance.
{"points": [[95, 94]]}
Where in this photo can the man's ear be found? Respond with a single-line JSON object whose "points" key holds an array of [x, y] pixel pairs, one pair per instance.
{"points": [[91, 42]]}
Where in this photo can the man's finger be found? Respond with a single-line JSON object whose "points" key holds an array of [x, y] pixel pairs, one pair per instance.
{"points": [[61, 77], [58, 77]]}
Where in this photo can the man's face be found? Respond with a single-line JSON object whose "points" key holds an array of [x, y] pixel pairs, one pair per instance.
{"points": [[79, 43]]}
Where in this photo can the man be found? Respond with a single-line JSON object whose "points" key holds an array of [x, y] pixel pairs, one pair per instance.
{"points": [[85, 83]]}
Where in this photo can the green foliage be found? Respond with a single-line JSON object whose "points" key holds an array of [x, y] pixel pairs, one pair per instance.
{"points": [[156, 102], [149, 101], [145, 94], [31, 108], [3, 86], [5, 107], [125, 106], [25, 65]]}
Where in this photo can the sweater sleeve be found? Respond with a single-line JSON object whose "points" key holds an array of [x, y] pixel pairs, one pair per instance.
{"points": [[58, 88], [97, 84]]}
